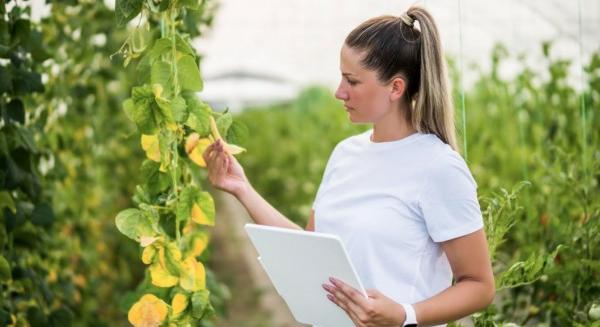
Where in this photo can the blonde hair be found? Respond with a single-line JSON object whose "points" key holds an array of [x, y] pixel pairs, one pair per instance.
{"points": [[394, 46]]}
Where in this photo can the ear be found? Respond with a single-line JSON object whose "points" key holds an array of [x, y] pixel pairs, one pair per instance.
{"points": [[398, 85]]}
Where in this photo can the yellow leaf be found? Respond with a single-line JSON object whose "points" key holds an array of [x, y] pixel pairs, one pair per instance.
{"points": [[193, 275], [199, 244], [148, 254], [148, 311], [229, 148], [161, 277], [214, 130], [198, 215], [179, 303], [195, 149], [191, 141], [150, 145]]}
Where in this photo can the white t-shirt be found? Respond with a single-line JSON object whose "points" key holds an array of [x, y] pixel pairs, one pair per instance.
{"points": [[391, 203]]}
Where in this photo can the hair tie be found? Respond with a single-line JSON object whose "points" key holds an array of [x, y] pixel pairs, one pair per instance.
{"points": [[407, 19]]}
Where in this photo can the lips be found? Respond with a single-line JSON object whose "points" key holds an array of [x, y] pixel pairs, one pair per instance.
{"points": [[348, 108]]}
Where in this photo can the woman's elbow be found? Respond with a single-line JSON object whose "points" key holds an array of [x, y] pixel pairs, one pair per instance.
{"points": [[489, 293]]}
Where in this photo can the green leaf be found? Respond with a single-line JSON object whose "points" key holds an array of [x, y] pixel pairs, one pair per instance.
{"points": [[16, 111], [188, 74], [183, 45], [166, 110], [161, 74], [223, 124], [6, 201], [144, 111], [27, 82], [156, 181], [237, 133], [179, 108], [173, 259], [160, 47], [199, 114], [5, 80], [126, 10], [133, 224], [192, 4], [4, 269], [199, 303], [42, 215], [129, 109], [185, 203]]}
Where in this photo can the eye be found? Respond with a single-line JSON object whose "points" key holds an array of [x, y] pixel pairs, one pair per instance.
{"points": [[351, 82]]}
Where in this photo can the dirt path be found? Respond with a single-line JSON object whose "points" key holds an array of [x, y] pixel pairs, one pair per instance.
{"points": [[254, 301]]}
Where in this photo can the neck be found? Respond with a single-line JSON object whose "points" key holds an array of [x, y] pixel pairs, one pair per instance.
{"points": [[392, 127]]}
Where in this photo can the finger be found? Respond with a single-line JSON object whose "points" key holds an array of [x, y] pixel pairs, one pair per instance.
{"points": [[214, 155], [218, 162], [206, 154], [353, 316], [351, 293], [342, 298]]}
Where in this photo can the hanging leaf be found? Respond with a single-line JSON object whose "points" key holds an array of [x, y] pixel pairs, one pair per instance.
{"points": [[126, 10], [188, 74], [133, 224]]}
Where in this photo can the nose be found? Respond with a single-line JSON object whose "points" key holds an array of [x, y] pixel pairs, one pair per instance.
{"points": [[341, 94]]}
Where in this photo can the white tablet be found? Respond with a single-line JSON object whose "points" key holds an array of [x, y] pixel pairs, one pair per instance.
{"points": [[298, 263]]}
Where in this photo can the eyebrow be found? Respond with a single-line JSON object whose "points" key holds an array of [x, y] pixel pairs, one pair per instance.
{"points": [[347, 74]]}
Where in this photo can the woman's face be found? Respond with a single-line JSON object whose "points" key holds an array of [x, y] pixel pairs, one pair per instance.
{"points": [[366, 100]]}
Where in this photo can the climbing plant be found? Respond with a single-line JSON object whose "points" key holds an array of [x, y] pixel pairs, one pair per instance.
{"points": [[174, 214]]}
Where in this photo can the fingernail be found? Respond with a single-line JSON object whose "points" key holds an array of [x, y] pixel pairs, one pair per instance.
{"points": [[326, 287], [333, 280], [330, 297]]}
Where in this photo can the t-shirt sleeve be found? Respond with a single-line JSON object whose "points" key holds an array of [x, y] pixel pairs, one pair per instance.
{"points": [[449, 199], [326, 176]]}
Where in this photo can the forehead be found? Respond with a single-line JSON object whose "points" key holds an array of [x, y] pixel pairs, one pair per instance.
{"points": [[350, 60]]}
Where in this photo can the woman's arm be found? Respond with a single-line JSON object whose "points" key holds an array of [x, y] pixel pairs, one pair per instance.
{"points": [[226, 173], [474, 288], [261, 211]]}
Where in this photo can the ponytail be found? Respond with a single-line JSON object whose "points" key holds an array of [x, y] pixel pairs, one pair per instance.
{"points": [[433, 110]]}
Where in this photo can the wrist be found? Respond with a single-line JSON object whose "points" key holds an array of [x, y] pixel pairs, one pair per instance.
{"points": [[410, 317], [243, 192], [401, 317]]}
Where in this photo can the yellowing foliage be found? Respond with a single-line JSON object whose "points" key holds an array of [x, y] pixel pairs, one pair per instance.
{"points": [[161, 277], [148, 311], [179, 303], [229, 148], [193, 275], [195, 147], [150, 146], [199, 216], [148, 254]]}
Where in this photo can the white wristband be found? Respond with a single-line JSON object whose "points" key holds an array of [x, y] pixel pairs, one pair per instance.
{"points": [[411, 316]]}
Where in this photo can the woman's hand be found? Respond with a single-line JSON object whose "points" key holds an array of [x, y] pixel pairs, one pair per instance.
{"points": [[377, 311], [224, 171]]}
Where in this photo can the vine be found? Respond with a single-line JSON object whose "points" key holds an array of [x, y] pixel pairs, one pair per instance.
{"points": [[173, 214]]}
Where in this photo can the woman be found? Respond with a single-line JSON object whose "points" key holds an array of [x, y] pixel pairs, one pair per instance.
{"points": [[399, 195]]}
